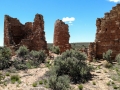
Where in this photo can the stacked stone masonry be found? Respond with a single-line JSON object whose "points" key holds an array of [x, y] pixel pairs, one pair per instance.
{"points": [[108, 33], [31, 34], [61, 36], [92, 51]]}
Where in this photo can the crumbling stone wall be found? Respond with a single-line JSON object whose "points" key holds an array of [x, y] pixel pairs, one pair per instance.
{"points": [[108, 33], [91, 51], [31, 34], [61, 36]]}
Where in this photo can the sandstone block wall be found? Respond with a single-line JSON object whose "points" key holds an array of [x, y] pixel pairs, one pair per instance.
{"points": [[31, 34], [91, 51], [108, 33], [61, 36]]}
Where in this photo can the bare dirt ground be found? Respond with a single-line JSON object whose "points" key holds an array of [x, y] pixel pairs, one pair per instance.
{"points": [[100, 81]]}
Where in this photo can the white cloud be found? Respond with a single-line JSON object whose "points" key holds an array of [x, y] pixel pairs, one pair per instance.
{"points": [[114, 1], [68, 19]]}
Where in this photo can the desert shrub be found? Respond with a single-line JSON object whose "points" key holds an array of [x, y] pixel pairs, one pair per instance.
{"points": [[59, 83], [77, 70], [41, 82], [108, 83], [34, 84], [107, 65], [55, 49], [118, 58], [107, 56], [45, 81], [47, 63], [71, 63], [22, 51], [20, 64], [74, 53], [7, 74], [5, 52], [38, 57], [80, 87], [15, 78], [115, 87], [94, 83], [5, 56], [29, 64], [32, 59], [2, 77], [22, 55]]}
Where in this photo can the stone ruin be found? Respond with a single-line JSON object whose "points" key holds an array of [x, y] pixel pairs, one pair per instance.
{"points": [[91, 51], [61, 36], [108, 34], [31, 34]]}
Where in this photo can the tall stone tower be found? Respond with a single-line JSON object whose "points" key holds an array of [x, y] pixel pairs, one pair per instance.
{"points": [[61, 36]]}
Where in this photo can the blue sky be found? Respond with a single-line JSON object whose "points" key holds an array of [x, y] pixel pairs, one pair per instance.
{"points": [[81, 15]]}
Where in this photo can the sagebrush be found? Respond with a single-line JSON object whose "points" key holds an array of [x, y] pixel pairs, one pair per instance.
{"points": [[71, 63]]}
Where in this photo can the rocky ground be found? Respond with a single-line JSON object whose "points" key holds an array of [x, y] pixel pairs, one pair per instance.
{"points": [[101, 79]]}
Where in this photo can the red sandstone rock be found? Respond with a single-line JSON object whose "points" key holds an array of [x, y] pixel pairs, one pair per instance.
{"points": [[108, 33], [31, 34], [61, 36]]}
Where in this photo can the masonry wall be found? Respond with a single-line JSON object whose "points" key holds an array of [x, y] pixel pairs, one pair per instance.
{"points": [[108, 33], [61, 36], [31, 34]]}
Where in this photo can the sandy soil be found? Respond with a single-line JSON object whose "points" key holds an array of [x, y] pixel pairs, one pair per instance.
{"points": [[27, 79], [100, 76]]}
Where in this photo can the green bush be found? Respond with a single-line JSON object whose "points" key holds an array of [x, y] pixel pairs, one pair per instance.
{"points": [[74, 53], [20, 64], [108, 83], [34, 84], [7, 74], [59, 83], [55, 49], [118, 58], [115, 87], [38, 56], [29, 64], [71, 63], [41, 82], [15, 78], [5, 56], [45, 81], [32, 59], [94, 83], [22, 51], [107, 56], [80, 87]]}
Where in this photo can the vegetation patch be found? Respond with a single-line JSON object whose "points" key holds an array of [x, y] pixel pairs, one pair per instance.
{"points": [[55, 49], [59, 82], [107, 56], [71, 63], [28, 60], [15, 78], [34, 84], [5, 56], [80, 87]]}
